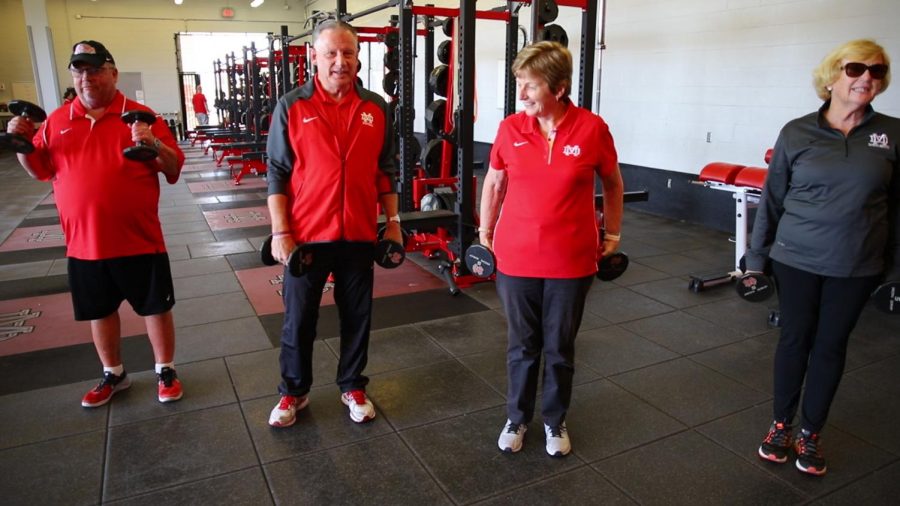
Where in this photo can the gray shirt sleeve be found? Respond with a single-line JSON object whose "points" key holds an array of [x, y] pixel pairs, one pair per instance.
{"points": [[771, 207], [279, 152]]}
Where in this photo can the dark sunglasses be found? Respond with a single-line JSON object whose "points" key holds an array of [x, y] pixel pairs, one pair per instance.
{"points": [[856, 69]]}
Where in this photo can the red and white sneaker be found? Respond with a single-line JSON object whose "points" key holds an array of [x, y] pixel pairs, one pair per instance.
{"points": [[103, 392], [361, 408], [169, 385], [285, 412]]}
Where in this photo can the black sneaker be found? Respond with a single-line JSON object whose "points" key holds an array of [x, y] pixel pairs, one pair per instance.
{"points": [[777, 444], [809, 456]]}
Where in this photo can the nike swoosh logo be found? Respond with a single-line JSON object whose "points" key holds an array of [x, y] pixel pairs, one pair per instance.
{"points": [[307, 120], [63, 131], [519, 144]]}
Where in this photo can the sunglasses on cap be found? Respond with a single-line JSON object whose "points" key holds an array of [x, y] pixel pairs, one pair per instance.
{"points": [[856, 69]]}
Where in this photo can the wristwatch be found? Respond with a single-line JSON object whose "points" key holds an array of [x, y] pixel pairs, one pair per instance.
{"points": [[395, 218], [157, 143]]}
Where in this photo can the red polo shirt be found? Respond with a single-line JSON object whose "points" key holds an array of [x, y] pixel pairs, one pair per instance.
{"points": [[547, 226], [107, 203]]}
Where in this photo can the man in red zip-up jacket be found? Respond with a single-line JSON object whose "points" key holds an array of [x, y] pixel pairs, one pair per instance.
{"points": [[331, 161]]}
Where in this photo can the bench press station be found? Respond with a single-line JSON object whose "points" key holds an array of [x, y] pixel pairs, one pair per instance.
{"points": [[745, 184]]}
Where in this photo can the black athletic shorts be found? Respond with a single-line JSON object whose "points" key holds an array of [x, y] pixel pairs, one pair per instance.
{"points": [[99, 286]]}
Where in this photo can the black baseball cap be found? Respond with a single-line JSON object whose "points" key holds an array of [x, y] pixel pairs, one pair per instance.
{"points": [[90, 52]]}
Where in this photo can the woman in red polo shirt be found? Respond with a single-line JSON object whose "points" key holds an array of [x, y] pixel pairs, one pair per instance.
{"points": [[538, 216]]}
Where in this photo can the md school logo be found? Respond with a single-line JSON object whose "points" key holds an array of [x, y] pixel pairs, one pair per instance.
{"points": [[572, 150], [367, 119], [879, 141]]}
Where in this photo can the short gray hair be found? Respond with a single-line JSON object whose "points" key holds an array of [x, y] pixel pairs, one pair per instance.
{"points": [[333, 24]]}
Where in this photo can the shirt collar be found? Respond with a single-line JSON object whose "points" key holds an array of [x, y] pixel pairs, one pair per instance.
{"points": [[823, 123], [531, 124], [117, 107], [322, 95]]}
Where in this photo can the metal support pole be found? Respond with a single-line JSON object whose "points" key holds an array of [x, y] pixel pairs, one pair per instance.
{"points": [[406, 106], [429, 66], [588, 41], [465, 197], [512, 48], [536, 26]]}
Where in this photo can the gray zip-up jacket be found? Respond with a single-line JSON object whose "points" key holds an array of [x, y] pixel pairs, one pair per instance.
{"points": [[830, 203]]}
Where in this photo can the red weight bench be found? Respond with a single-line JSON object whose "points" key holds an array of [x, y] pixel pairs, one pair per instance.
{"points": [[745, 184], [253, 162]]}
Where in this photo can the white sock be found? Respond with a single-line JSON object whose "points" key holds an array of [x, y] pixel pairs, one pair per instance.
{"points": [[117, 370], [159, 367]]}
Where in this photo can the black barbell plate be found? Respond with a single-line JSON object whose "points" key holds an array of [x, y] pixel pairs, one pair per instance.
{"points": [[447, 28], [140, 153], [265, 253], [443, 51], [754, 287], [300, 261], [138, 115], [612, 266], [16, 143], [555, 33], [389, 254], [887, 298], [480, 261], [549, 13], [435, 116], [438, 80], [25, 108], [391, 83]]}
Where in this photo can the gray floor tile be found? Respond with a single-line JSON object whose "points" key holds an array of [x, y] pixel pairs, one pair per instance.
{"points": [[26, 270], [876, 488], [637, 273], [612, 350], [636, 249], [682, 332], [462, 454], [176, 449], [184, 210], [241, 488], [211, 249], [199, 266], [206, 384], [674, 292], [190, 238], [417, 396], [182, 215], [397, 348], [60, 266], [689, 469], [621, 305], [680, 265], [848, 457], [61, 471], [471, 333], [884, 375], [258, 374], [604, 420], [182, 227], [736, 314], [33, 422], [687, 391], [867, 413], [206, 284], [323, 424], [220, 339], [350, 475], [212, 308], [583, 486], [749, 361]]}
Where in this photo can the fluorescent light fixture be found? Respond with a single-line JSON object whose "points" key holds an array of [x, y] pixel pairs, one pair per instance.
{"points": [[179, 2], [256, 3]]}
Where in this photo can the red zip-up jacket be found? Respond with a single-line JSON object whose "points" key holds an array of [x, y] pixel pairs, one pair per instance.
{"points": [[332, 189]]}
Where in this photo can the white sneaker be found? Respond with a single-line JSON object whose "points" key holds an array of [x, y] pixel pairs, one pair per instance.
{"points": [[511, 437], [361, 408], [284, 414], [558, 444]]}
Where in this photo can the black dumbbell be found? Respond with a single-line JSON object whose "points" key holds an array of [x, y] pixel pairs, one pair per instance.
{"points": [[480, 261], [300, 261], [887, 297], [390, 254], [612, 266], [755, 287], [16, 142], [140, 152]]}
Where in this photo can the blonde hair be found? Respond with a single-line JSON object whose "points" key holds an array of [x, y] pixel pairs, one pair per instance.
{"points": [[829, 69], [550, 61]]}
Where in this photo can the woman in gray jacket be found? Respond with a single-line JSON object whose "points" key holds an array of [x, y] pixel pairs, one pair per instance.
{"points": [[828, 222]]}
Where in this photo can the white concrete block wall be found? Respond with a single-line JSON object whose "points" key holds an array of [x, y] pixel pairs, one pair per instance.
{"points": [[738, 69]]}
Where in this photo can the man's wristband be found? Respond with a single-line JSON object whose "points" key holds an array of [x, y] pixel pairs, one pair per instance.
{"points": [[280, 234], [395, 218], [614, 237], [483, 229]]}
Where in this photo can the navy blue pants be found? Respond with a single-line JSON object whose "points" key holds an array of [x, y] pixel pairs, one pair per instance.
{"points": [[351, 264], [817, 315], [543, 318]]}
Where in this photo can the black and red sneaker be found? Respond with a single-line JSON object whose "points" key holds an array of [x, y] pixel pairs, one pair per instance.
{"points": [[809, 453], [103, 392], [777, 444], [168, 385]]}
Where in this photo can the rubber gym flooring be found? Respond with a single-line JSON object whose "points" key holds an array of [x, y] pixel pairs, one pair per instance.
{"points": [[673, 388]]}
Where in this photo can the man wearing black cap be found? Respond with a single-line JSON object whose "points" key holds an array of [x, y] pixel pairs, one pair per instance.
{"points": [[108, 211]]}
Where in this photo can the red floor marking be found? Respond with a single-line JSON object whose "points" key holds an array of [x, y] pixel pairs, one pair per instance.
{"points": [[44, 322], [238, 218], [47, 236], [220, 186], [263, 285]]}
